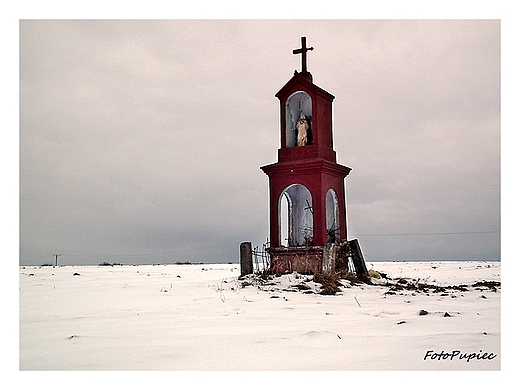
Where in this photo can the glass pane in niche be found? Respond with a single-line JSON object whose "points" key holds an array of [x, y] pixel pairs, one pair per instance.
{"points": [[298, 128]]}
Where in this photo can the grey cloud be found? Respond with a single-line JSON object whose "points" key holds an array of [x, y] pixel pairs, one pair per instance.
{"points": [[146, 137]]}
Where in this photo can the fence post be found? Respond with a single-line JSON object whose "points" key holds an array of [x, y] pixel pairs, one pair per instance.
{"points": [[246, 259]]}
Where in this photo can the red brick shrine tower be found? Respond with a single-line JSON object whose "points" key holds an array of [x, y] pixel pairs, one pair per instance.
{"points": [[306, 186]]}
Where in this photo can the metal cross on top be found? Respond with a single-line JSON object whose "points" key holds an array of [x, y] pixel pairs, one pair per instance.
{"points": [[303, 51]]}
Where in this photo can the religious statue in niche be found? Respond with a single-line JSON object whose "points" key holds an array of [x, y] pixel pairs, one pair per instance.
{"points": [[303, 127]]}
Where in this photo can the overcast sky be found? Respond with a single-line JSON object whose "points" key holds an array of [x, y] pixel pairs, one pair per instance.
{"points": [[142, 141]]}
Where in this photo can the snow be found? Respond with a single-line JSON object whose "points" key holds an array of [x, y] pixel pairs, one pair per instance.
{"points": [[202, 317]]}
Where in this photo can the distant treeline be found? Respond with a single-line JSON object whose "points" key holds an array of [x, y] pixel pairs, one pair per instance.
{"points": [[176, 263], [107, 264]]}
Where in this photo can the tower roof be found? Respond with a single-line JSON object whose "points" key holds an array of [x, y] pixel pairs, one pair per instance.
{"points": [[302, 81]]}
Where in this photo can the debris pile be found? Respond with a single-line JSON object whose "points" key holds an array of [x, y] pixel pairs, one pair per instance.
{"points": [[332, 284]]}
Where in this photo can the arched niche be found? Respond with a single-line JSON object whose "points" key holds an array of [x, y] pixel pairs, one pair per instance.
{"points": [[284, 215], [297, 104], [332, 216], [295, 216]]}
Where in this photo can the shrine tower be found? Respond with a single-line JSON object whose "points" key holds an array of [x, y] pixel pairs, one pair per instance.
{"points": [[306, 186]]}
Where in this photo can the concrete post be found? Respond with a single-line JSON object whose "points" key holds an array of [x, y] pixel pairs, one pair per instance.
{"points": [[246, 259], [329, 259]]}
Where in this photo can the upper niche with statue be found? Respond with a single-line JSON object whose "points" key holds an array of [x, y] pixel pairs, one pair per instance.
{"points": [[298, 112], [306, 117]]}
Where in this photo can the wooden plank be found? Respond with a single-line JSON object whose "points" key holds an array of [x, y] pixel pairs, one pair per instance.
{"points": [[357, 257]]}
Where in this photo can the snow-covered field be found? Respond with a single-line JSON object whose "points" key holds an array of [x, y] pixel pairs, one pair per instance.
{"points": [[203, 317]]}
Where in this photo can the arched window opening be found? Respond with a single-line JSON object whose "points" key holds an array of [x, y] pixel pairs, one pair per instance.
{"points": [[285, 215], [298, 127], [296, 216]]}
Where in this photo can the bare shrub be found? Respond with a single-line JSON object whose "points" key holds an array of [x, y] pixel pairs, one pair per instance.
{"points": [[329, 283]]}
